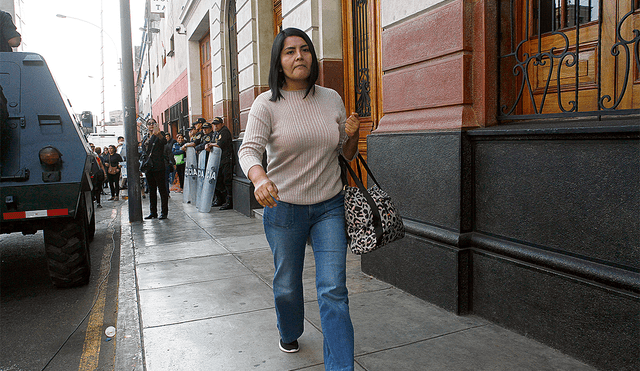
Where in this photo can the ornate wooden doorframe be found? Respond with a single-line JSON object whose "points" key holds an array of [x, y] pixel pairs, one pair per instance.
{"points": [[205, 78], [361, 40], [234, 101]]}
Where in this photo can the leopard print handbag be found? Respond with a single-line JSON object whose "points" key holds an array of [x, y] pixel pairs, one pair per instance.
{"points": [[371, 217]]}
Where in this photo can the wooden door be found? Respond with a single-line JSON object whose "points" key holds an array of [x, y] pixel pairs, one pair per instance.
{"points": [[234, 101], [579, 69], [362, 71], [205, 78]]}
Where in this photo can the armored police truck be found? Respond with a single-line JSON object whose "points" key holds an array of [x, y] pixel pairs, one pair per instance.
{"points": [[45, 165]]}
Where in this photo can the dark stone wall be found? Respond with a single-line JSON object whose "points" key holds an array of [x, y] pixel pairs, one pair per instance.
{"points": [[243, 199], [597, 324], [423, 268], [534, 227], [576, 196], [422, 174]]}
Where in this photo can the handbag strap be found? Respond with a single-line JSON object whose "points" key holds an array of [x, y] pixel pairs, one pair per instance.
{"points": [[377, 220], [152, 145]]}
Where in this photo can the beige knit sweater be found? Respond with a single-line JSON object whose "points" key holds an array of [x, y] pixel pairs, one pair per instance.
{"points": [[303, 138]]}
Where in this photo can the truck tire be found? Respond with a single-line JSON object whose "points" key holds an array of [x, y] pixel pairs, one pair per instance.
{"points": [[67, 251]]}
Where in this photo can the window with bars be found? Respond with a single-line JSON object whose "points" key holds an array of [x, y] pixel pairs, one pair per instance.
{"points": [[560, 14], [277, 16], [568, 58], [361, 57]]}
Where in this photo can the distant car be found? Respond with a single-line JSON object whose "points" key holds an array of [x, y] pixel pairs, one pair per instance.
{"points": [[45, 168]]}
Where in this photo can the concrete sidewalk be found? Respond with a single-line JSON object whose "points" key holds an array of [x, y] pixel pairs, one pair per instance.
{"points": [[195, 294]]}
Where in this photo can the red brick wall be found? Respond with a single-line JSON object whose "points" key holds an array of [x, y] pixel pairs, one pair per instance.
{"points": [[436, 69]]}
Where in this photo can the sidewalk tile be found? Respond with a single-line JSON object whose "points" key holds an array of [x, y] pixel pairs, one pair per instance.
{"points": [[391, 318], [245, 243], [180, 272], [202, 300], [246, 341], [181, 250], [483, 348]]}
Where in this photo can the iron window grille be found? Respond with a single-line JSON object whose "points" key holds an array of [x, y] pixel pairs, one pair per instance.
{"points": [[522, 54]]}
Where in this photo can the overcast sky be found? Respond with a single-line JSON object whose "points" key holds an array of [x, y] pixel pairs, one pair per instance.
{"points": [[72, 48]]}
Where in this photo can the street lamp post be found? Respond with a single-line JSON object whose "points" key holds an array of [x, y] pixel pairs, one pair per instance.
{"points": [[102, 33], [148, 41]]}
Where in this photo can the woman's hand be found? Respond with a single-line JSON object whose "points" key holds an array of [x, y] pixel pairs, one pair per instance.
{"points": [[266, 191], [352, 127]]}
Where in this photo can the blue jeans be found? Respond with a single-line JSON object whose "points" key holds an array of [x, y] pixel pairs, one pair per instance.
{"points": [[288, 227]]}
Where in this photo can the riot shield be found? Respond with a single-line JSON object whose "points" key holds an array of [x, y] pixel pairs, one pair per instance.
{"points": [[205, 198], [190, 173], [202, 168]]}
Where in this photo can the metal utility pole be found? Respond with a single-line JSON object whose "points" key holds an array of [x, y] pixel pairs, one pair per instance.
{"points": [[104, 118], [129, 113]]}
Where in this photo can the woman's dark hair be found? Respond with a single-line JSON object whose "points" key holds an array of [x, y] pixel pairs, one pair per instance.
{"points": [[276, 76]]}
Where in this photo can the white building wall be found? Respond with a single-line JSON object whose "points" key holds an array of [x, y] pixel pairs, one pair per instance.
{"points": [[245, 21], [329, 43], [195, 18], [218, 52], [391, 13], [321, 19], [176, 64]]}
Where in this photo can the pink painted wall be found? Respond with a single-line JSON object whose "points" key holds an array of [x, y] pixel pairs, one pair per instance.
{"points": [[174, 93]]}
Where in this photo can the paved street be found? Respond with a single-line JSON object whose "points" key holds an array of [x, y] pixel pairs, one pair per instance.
{"points": [[42, 327]]}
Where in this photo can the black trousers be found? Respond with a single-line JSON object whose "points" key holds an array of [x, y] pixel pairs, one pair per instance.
{"points": [[97, 189], [180, 170], [114, 184], [224, 182], [157, 182]]}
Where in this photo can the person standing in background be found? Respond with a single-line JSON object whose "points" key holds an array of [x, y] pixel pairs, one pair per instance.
{"points": [[170, 161], [224, 140], [153, 145], [178, 155], [9, 36], [113, 172]]}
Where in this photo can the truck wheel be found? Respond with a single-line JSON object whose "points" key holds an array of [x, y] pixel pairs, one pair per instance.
{"points": [[67, 252]]}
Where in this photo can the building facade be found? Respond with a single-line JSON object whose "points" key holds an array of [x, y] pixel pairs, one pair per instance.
{"points": [[506, 132]]}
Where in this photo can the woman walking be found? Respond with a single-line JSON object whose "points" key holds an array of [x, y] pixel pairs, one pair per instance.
{"points": [[303, 127], [113, 173]]}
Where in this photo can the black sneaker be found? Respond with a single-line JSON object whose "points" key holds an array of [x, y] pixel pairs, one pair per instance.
{"points": [[289, 347]]}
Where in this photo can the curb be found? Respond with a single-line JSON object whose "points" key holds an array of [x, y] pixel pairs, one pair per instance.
{"points": [[128, 336]]}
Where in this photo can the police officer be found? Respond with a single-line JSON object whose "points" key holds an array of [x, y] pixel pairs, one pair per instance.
{"points": [[195, 136], [224, 140], [206, 138]]}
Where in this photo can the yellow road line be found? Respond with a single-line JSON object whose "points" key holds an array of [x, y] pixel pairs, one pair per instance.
{"points": [[93, 336]]}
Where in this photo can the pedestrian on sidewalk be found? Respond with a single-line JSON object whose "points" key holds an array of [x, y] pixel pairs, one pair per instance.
{"points": [[179, 155], [98, 174], [170, 161], [303, 127], [113, 172], [153, 145]]}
